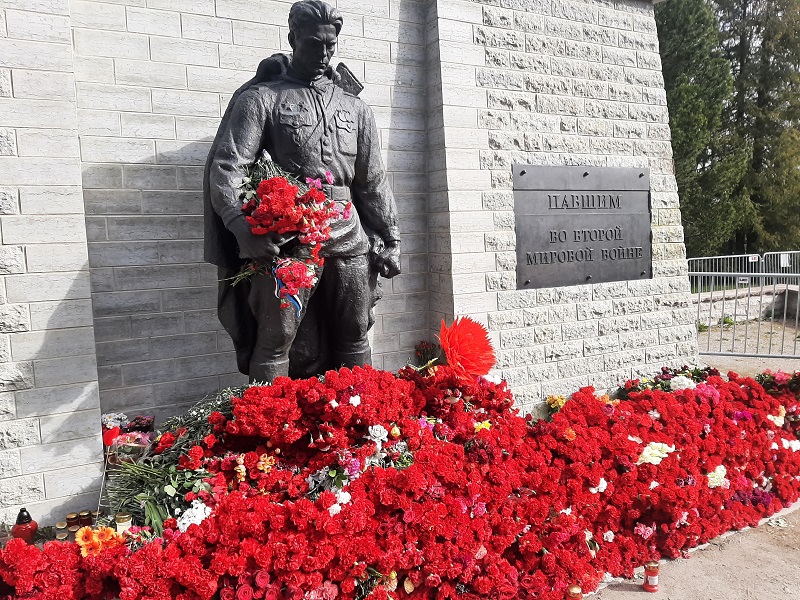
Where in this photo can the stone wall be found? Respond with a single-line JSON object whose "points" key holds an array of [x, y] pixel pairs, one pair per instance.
{"points": [[554, 82], [50, 449], [128, 94], [153, 79]]}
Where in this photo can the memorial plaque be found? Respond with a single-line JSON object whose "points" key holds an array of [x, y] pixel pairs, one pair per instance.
{"points": [[578, 225]]}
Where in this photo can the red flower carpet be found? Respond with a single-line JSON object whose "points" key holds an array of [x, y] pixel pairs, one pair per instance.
{"points": [[366, 483]]}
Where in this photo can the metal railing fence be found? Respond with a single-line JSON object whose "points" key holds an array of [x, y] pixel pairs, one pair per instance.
{"points": [[745, 313]]}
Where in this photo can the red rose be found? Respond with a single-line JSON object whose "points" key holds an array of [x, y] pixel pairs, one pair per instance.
{"points": [[244, 592], [262, 579], [227, 593]]}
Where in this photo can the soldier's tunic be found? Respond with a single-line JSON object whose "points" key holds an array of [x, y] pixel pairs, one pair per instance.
{"points": [[308, 129]]}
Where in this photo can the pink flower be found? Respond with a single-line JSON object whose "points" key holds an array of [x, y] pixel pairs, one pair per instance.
{"points": [[643, 530], [329, 177], [781, 377], [314, 183]]}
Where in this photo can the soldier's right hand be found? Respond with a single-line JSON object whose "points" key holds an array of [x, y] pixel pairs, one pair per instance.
{"points": [[255, 247]]}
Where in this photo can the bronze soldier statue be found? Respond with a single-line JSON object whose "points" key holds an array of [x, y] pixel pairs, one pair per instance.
{"points": [[295, 110]]}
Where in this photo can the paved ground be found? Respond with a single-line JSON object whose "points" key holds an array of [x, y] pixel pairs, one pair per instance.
{"points": [[750, 366], [755, 564]]}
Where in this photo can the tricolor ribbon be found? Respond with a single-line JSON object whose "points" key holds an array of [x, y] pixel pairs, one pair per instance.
{"points": [[291, 298]]}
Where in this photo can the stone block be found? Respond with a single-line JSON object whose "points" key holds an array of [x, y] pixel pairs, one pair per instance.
{"points": [[638, 339], [618, 360], [12, 260], [64, 398], [184, 52], [7, 406], [48, 258], [73, 369], [61, 314], [9, 464], [5, 83], [70, 426], [20, 491], [27, 54], [579, 330], [74, 481], [9, 203], [683, 333], [112, 44], [567, 350], [8, 142], [633, 305], [61, 455], [54, 343], [579, 367], [57, 286], [564, 387], [14, 318], [601, 345], [18, 433]]}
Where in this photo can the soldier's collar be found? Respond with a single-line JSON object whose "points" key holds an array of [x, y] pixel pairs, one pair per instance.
{"points": [[321, 83]]}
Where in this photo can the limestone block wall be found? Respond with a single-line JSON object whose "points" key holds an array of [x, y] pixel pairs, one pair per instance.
{"points": [[553, 82], [50, 448], [152, 79]]}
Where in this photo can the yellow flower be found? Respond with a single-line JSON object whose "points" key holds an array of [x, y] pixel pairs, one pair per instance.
{"points": [[556, 402], [482, 425], [395, 432]]}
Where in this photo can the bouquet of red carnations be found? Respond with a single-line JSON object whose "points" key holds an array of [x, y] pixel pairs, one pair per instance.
{"points": [[276, 202]]}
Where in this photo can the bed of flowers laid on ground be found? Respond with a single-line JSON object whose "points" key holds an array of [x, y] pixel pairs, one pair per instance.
{"points": [[428, 484]]}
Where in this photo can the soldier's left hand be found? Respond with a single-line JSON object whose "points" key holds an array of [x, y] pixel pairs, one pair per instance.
{"points": [[390, 261]]}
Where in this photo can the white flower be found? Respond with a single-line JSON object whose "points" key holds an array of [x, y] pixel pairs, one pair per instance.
{"points": [[681, 383], [378, 434], [717, 478], [492, 378], [335, 509], [342, 497], [632, 438], [566, 511], [355, 400], [654, 414], [779, 420], [654, 485], [608, 536], [794, 445], [601, 487], [334, 404], [654, 453], [194, 515]]}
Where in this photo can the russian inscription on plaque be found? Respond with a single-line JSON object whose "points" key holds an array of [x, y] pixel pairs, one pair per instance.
{"points": [[578, 225]]}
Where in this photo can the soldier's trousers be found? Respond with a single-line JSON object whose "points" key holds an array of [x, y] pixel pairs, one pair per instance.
{"points": [[264, 337]]}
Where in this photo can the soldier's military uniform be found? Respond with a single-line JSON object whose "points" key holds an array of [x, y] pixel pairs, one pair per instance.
{"points": [[308, 128]]}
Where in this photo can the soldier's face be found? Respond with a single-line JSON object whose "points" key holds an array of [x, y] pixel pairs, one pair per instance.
{"points": [[313, 48]]}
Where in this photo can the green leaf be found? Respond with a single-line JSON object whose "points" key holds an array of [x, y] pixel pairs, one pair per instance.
{"points": [[171, 491]]}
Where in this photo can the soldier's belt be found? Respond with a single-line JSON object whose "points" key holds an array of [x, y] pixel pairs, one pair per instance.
{"points": [[339, 193]]}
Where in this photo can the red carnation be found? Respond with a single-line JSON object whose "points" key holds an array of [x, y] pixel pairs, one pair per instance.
{"points": [[467, 348]]}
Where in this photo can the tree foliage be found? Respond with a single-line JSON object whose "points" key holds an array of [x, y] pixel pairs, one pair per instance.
{"points": [[732, 73]]}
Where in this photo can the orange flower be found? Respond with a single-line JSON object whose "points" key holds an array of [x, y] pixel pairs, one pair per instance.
{"points": [[105, 534], [91, 549], [85, 536], [467, 348], [569, 434], [115, 540]]}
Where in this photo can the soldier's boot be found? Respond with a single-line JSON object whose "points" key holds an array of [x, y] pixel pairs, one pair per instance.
{"points": [[266, 372]]}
